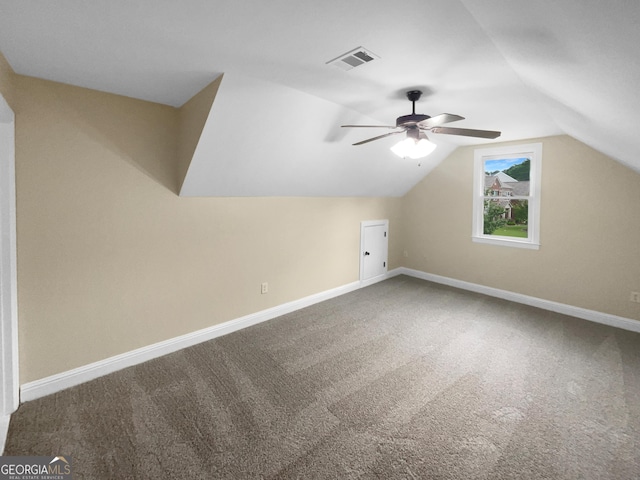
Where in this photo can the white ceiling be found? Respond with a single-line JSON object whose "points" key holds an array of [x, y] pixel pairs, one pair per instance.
{"points": [[526, 68]]}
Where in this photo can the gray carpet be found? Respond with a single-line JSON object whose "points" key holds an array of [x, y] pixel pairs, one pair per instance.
{"points": [[402, 379]]}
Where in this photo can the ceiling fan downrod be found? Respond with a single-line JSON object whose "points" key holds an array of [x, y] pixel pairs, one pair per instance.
{"points": [[410, 121], [414, 96]]}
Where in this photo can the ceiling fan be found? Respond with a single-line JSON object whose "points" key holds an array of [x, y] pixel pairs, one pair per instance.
{"points": [[417, 145]]}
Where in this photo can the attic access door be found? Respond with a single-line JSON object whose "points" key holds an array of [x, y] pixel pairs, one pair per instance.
{"points": [[374, 247]]}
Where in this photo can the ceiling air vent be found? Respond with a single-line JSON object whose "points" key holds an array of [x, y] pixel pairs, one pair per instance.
{"points": [[354, 58]]}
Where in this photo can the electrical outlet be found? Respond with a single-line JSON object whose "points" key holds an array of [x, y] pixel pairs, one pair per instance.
{"points": [[405, 254], [635, 297], [264, 288]]}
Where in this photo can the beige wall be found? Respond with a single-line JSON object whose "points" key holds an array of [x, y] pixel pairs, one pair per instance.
{"points": [[589, 230], [111, 259]]}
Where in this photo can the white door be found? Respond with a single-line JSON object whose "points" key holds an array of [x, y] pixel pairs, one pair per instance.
{"points": [[374, 241], [8, 286]]}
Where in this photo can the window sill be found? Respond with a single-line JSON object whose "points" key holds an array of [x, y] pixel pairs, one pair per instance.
{"points": [[507, 242]]}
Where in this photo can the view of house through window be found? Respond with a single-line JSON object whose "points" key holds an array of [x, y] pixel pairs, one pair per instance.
{"points": [[506, 197]]}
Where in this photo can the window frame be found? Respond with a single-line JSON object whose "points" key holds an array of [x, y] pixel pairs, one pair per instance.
{"points": [[533, 151]]}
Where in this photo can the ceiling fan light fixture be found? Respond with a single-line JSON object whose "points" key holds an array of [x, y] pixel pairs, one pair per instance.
{"points": [[414, 148], [422, 148], [403, 147]]}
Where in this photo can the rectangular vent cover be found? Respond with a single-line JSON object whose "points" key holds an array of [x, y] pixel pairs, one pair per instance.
{"points": [[354, 58]]}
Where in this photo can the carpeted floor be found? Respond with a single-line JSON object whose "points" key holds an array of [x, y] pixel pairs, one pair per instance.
{"points": [[402, 379]]}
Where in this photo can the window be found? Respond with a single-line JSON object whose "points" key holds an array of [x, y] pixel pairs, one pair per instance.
{"points": [[506, 196]]}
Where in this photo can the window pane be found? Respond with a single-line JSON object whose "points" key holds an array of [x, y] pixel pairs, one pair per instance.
{"points": [[506, 201], [507, 177], [506, 217]]}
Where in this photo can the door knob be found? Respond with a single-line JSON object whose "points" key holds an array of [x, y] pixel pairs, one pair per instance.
{"points": [[366, 253]]}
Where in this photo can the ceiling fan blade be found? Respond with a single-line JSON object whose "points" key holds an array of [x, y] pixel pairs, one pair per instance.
{"points": [[370, 126], [467, 132], [378, 137], [440, 119]]}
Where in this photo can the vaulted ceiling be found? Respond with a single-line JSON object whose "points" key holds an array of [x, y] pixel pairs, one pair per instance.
{"points": [[528, 69]]}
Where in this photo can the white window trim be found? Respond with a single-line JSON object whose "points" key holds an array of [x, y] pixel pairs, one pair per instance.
{"points": [[530, 150]]}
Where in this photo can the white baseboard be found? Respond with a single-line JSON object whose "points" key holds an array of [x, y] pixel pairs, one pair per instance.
{"points": [[4, 429], [379, 278], [55, 383], [583, 313]]}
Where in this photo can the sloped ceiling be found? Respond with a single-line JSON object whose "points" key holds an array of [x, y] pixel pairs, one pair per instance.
{"points": [[292, 145], [525, 68]]}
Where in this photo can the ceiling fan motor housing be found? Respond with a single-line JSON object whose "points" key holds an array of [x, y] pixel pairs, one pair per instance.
{"points": [[408, 120], [414, 118]]}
